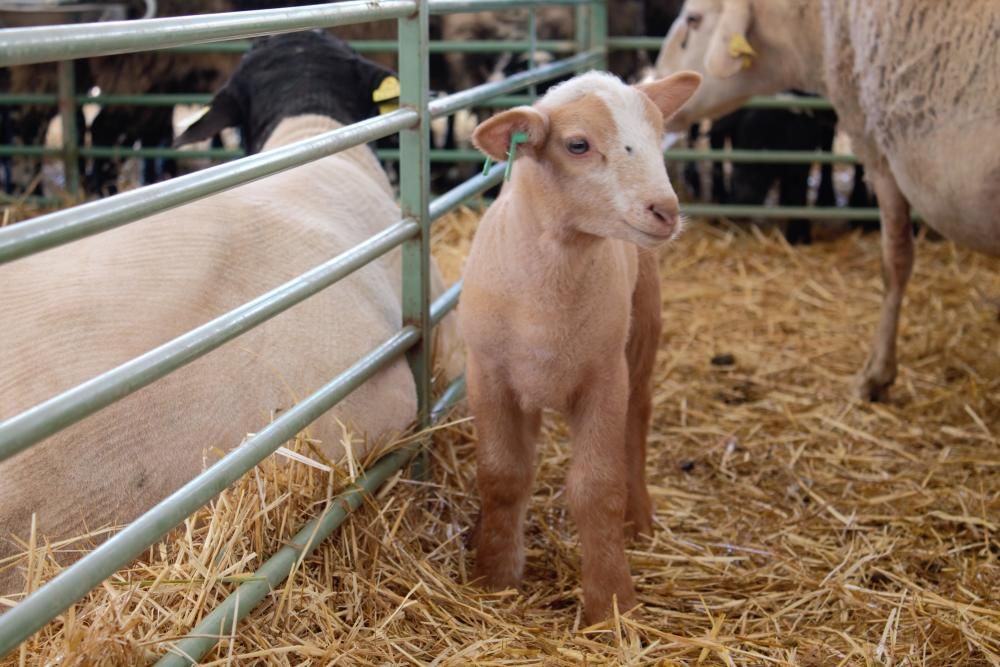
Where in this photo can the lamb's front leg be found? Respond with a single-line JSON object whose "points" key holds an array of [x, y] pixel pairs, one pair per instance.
{"points": [[505, 473], [596, 491]]}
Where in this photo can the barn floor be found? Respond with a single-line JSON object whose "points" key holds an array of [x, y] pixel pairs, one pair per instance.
{"points": [[795, 525]]}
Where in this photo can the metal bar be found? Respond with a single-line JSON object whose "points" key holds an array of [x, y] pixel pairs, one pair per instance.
{"points": [[238, 604], [780, 102], [457, 6], [414, 199], [581, 29], [124, 152], [450, 155], [533, 49], [146, 99], [447, 105], [449, 397], [171, 99], [22, 46], [36, 610], [392, 46], [457, 196], [445, 303], [629, 43], [29, 151], [70, 133], [761, 157], [808, 212], [27, 428], [788, 102], [598, 32], [61, 227], [12, 99]]}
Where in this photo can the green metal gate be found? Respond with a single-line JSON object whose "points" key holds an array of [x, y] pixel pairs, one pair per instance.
{"points": [[412, 233]]}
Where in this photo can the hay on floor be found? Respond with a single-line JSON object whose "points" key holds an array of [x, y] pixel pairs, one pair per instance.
{"points": [[796, 526]]}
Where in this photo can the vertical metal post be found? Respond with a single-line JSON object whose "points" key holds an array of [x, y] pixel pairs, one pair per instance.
{"points": [[581, 31], [67, 113], [414, 176], [533, 47], [598, 26]]}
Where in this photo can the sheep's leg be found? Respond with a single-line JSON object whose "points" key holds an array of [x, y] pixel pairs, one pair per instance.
{"points": [[597, 494], [505, 473], [897, 264], [644, 339]]}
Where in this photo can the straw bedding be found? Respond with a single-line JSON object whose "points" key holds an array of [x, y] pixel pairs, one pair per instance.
{"points": [[795, 525]]}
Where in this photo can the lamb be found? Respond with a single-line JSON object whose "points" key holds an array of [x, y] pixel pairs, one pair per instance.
{"points": [[561, 310], [78, 310], [915, 85]]}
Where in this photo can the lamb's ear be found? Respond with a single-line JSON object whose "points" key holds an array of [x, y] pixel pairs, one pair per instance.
{"points": [[224, 112], [492, 136], [728, 50], [669, 94]]}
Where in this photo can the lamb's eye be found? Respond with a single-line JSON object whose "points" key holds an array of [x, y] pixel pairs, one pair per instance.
{"points": [[577, 146], [693, 21]]}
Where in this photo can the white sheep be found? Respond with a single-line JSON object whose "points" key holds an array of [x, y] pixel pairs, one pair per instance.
{"points": [[916, 86], [73, 312]]}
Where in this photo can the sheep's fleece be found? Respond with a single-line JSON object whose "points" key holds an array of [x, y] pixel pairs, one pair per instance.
{"points": [[81, 309]]}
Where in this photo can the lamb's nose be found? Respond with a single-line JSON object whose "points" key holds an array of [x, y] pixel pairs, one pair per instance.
{"points": [[666, 211]]}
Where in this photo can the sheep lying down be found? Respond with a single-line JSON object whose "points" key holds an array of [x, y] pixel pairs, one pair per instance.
{"points": [[81, 309]]}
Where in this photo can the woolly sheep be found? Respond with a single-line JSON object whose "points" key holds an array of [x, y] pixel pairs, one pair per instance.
{"points": [[915, 85], [75, 311]]}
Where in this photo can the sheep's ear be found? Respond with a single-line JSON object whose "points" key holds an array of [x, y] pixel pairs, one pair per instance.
{"points": [[728, 50], [224, 112], [493, 134], [669, 94]]}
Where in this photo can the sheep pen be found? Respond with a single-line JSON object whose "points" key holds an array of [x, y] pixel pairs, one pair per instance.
{"points": [[794, 524]]}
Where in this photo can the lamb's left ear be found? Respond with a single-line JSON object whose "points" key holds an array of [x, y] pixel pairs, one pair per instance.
{"points": [[670, 93], [492, 136]]}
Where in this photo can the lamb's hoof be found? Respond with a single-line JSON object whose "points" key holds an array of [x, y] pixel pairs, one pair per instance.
{"points": [[595, 611], [499, 572], [638, 528], [496, 581], [872, 389]]}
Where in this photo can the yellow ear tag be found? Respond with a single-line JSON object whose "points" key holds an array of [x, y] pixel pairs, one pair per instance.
{"points": [[387, 95], [740, 47]]}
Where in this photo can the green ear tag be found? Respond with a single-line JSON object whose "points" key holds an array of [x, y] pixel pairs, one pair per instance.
{"points": [[515, 139]]}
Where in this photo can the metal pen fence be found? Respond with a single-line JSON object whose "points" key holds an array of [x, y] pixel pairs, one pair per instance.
{"points": [[411, 233], [71, 151]]}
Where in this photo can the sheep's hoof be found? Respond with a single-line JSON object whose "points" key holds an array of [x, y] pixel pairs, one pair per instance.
{"points": [[872, 388]]}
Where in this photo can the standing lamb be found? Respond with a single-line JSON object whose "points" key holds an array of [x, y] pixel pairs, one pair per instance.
{"points": [[916, 85], [561, 310], [75, 311]]}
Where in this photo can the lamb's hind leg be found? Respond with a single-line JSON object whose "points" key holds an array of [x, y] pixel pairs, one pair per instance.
{"points": [[897, 264], [596, 492], [644, 339], [505, 473]]}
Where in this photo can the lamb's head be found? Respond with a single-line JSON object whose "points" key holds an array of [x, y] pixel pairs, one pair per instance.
{"points": [[592, 154], [291, 75], [732, 44]]}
